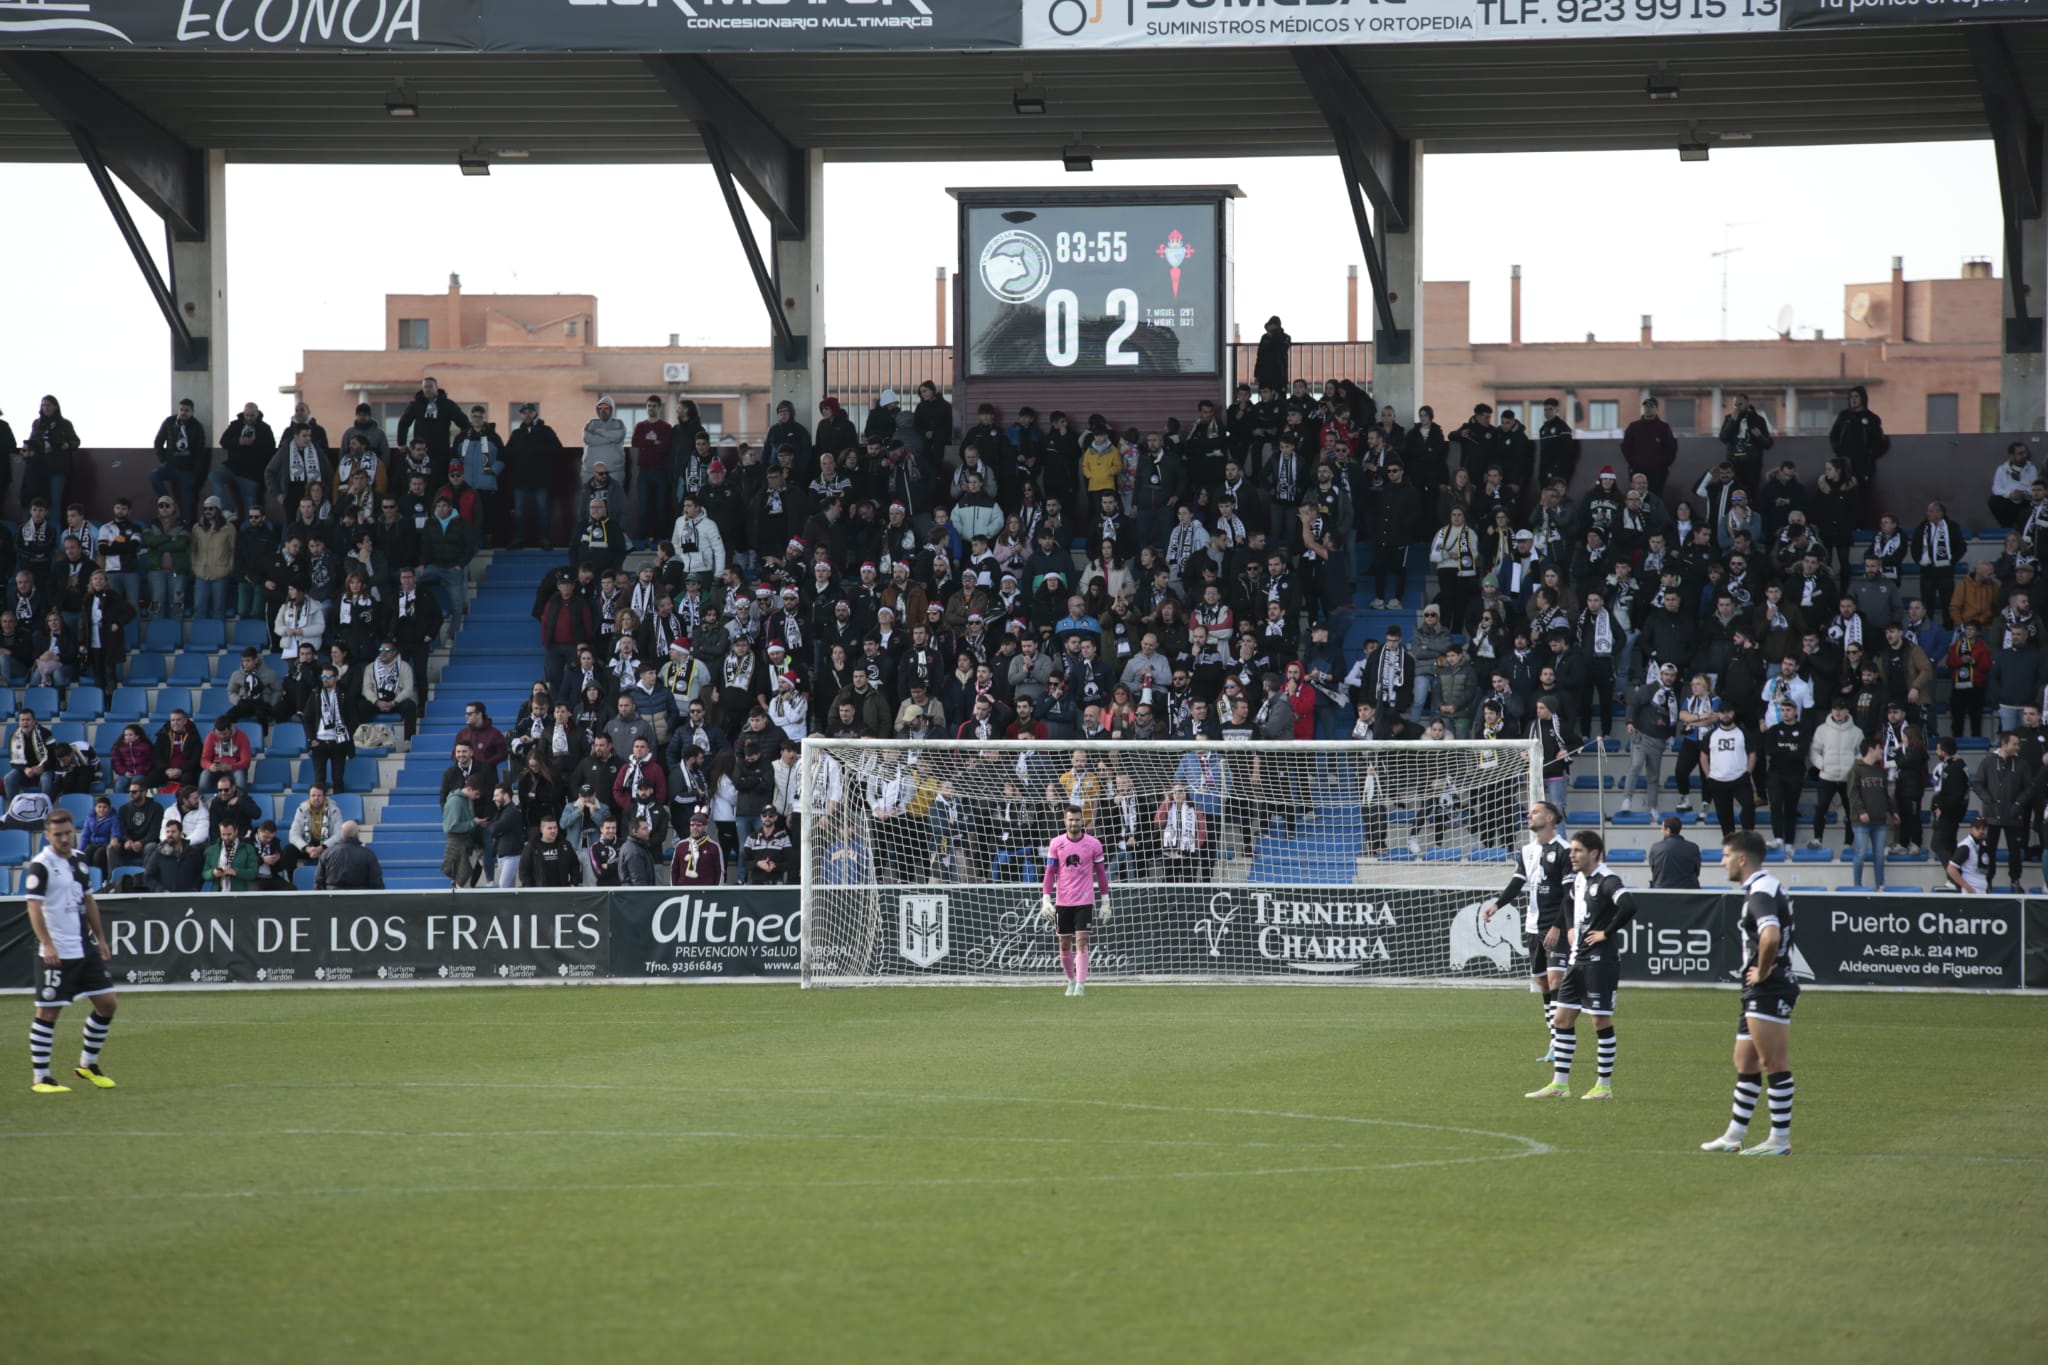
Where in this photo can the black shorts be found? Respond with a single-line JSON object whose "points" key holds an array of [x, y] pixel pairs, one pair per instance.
{"points": [[71, 978], [1589, 985], [1542, 961], [1076, 919], [1772, 1000]]}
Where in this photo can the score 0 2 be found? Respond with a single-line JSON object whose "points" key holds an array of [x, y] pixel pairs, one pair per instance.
{"points": [[1063, 327]]}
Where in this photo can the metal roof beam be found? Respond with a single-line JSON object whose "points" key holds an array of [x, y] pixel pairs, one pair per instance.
{"points": [[763, 161], [1368, 143], [165, 173]]}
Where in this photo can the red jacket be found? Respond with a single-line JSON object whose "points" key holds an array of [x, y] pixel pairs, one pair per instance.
{"points": [[572, 626], [226, 749], [1302, 698]]}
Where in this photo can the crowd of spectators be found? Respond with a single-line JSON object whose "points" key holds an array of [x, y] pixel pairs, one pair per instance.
{"points": [[923, 578], [920, 579]]}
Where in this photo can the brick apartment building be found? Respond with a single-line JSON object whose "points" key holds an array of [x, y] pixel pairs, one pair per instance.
{"points": [[1928, 351], [503, 350]]}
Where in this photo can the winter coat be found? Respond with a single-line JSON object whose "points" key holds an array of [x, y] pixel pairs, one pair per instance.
{"points": [[2002, 785], [213, 552], [436, 427], [604, 439], [530, 455], [1835, 749]]}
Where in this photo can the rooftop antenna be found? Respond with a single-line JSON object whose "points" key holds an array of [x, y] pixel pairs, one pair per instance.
{"points": [[1727, 234]]}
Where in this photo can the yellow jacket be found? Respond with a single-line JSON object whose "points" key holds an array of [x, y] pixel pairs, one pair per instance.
{"points": [[1100, 469]]}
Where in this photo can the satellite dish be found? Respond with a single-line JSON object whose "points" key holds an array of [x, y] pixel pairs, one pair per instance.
{"points": [[1785, 319], [1859, 307]]}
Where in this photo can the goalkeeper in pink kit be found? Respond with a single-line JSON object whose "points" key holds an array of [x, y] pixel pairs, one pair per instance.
{"points": [[1076, 891]]}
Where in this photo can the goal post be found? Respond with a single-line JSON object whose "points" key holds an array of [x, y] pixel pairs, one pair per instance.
{"points": [[1267, 861]]}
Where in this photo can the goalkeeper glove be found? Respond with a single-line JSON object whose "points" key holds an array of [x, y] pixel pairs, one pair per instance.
{"points": [[1045, 906], [1102, 909]]}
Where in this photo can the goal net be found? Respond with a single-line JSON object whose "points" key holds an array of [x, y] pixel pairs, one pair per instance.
{"points": [[1303, 861]]}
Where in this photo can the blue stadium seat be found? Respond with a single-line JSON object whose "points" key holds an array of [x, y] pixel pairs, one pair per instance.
{"points": [[169, 699], [361, 775], [270, 776], [145, 670], [1627, 855], [41, 700], [248, 631], [287, 740], [16, 846], [69, 732], [128, 703], [191, 670], [106, 735], [85, 703], [206, 636], [1631, 818], [163, 636]]}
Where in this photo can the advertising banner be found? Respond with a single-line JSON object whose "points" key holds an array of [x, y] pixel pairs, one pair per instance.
{"points": [[1908, 940], [728, 931], [243, 25], [1074, 25], [749, 25], [1888, 13], [996, 932], [510, 25], [2034, 942], [284, 938]]}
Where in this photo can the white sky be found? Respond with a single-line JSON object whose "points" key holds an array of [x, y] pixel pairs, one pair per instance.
{"points": [[1601, 238]]}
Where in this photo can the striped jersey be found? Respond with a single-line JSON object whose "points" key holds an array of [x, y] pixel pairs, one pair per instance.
{"points": [[1765, 902]]}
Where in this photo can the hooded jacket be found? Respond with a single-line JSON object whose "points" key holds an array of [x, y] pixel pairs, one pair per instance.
{"points": [[1858, 435], [1835, 749], [604, 439]]}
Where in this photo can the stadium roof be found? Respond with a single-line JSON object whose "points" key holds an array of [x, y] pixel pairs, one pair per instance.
{"points": [[1762, 89]]}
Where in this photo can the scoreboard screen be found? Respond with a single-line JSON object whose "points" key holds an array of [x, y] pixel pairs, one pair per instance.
{"points": [[1093, 289]]}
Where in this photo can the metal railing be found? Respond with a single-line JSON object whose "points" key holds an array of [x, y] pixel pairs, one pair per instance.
{"points": [[856, 375], [1316, 361]]}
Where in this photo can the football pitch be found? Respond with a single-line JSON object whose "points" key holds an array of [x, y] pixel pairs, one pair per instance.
{"points": [[1149, 1173]]}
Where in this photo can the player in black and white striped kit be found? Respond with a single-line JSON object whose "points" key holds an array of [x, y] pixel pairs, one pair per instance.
{"points": [[1601, 909], [71, 966], [1763, 1036], [1544, 868]]}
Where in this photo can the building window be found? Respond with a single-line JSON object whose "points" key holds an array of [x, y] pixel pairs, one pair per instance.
{"points": [[712, 415], [512, 412], [1817, 412], [412, 334], [1987, 412], [568, 329], [1683, 414], [1941, 412], [1603, 414], [387, 415]]}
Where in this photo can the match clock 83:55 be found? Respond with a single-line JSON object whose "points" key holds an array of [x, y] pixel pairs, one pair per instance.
{"points": [[1093, 289]]}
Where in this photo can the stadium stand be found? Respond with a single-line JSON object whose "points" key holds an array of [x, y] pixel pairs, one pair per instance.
{"points": [[1384, 574]]}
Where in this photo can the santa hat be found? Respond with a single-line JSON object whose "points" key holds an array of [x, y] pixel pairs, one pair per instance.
{"points": [[764, 591], [867, 566], [785, 680], [790, 590], [681, 644], [1607, 471], [822, 566], [797, 543], [898, 507], [774, 645]]}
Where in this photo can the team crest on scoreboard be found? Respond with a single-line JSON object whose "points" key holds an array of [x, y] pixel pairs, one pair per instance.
{"points": [[923, 929]]}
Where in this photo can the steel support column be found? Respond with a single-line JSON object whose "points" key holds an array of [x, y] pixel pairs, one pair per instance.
{"points": [[2016, 142], [1379, 182]]}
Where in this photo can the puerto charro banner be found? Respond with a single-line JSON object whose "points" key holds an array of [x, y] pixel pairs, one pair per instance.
{"points": [[510, 25]]}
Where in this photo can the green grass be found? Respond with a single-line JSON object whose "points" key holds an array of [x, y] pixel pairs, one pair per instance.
{"points": [[1240, 1174]]}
